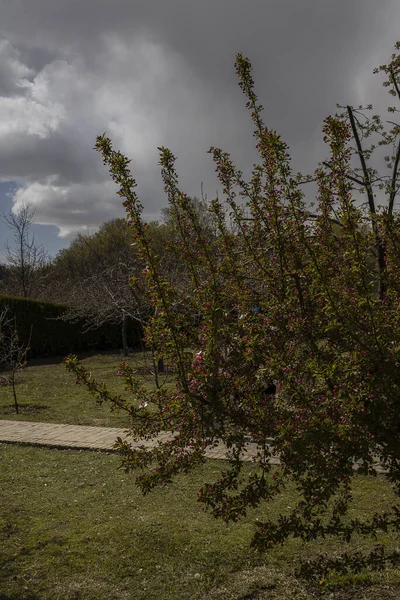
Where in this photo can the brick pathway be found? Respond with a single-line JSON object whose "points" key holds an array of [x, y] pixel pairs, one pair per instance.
{"points": [[83, 437]]}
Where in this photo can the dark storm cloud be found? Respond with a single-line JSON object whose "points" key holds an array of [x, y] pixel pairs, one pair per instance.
{"points": [[162, 73]]}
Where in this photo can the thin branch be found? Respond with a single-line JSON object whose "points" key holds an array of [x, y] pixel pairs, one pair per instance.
{"points": [[395, 83], [379, 243], [393, 190], [367, 182], [331, 219], [357, 181]]}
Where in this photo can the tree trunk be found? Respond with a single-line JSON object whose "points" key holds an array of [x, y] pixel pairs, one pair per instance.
{"points": [[14, 392], [124, 340]]}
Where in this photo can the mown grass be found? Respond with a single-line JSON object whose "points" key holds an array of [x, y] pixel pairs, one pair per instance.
{"points": [[73, 526], [47, 392]]}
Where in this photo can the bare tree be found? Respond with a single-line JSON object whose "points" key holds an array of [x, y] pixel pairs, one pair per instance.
{"points": [[25, 257], [13, 352], [107, 297], [93, 276]]}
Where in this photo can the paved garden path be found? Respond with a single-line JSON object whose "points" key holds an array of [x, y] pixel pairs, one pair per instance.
{"points": [[83, 437]]}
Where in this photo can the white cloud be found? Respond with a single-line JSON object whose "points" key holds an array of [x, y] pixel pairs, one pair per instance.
{"points": [[68, 206], [22, 116]]}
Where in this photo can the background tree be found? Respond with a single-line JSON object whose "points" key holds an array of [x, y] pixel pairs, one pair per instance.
{"points": [[100, 276], [25, 258], [326, 336], [4, 278], [13, 353], [92, 277]]}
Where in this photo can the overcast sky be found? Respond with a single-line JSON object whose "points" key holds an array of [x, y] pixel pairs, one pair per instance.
{"points": [[161, 72]]}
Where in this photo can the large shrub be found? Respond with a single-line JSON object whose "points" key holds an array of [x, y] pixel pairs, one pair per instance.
{"points": [[325, 336]]}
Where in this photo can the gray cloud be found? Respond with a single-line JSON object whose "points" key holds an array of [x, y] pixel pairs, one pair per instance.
{"points": [[162, 73], [12, 69]]}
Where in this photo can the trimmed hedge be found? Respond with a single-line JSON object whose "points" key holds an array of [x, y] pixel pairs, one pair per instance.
{"points": [[52, 336]]}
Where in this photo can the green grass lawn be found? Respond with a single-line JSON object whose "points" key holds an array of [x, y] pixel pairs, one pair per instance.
{"points": [[47, 392], [73, 526]]}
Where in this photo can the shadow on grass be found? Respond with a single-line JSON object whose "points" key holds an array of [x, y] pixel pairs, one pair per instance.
{"points": [[27, 409], [55, 360], [9, 571], [27, 596], [46, 360]]}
